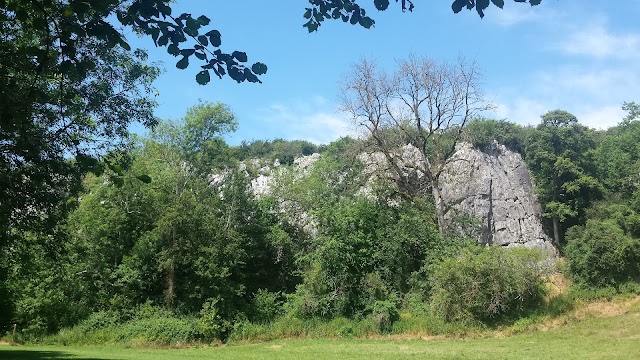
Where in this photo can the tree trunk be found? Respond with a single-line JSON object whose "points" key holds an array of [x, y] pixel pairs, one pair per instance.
{"points": [[556, 230], [437, 197], [169, 293]]}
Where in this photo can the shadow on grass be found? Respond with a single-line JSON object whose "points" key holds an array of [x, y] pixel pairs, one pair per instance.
{"points": [[19, 354]]}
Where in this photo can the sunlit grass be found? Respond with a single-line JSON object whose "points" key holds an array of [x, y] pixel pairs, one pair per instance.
{"points": [[613, 337]]}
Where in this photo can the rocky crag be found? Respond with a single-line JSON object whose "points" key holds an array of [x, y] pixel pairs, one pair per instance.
{"points": [[492, 188], [495, 188]]}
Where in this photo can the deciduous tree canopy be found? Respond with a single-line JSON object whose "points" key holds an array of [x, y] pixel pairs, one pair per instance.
{"points": [[352, 12]]}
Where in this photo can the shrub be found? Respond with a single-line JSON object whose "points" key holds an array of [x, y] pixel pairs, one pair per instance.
{"points": [[148, 325], [488, 283], [158, 331], [266, 306], [484, 131], [385, 313], [99, 320], [601, 255], [211, 323]]}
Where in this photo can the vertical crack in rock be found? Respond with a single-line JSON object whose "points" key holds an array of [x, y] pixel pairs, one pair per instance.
{"points": [[490, 223]]}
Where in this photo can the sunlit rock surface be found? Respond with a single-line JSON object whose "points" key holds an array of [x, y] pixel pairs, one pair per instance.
{"points": [[495, 188], [492, 188]]}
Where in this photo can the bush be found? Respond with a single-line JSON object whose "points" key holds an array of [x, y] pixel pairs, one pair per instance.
{"points": [[600, 255], [488, 283], [266, 306], [158, 331], [385, 313], [99, 320], [484, 131], [147, 325], [212, 324]]}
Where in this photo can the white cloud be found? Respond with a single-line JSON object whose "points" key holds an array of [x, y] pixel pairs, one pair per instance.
{"points": [[313, 120], [601, 117], [597, 41], [521, 111], [594, 95], [598, 69]]}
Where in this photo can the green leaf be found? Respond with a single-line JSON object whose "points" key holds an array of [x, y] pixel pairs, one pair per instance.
{"points": [[203, 77], [240, 56], [155, 33], [115, 168], [311, 26], [187, 52], [203, 40], [355, 17], [98, 170], [125, 45], [203, 20], [535, 2], [144, 178], [366, 22], [192, 27], [214, 38], [498, 3], [381, 5], [259, 68], [117, 181], [86, 161], [163, 40], [236, 74], [183, 63], [173, 49], [481, 5]]}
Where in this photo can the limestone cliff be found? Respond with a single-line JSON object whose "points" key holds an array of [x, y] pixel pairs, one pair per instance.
{"points": [[495, 187]]}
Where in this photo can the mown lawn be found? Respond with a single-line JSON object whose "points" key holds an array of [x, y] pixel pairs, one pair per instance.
{"points": [[615, 337]]}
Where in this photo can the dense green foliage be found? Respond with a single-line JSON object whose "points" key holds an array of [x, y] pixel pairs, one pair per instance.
{"points": [[159, 249], [600, 254], [483, 132], [611, 337], [350, 11], [488, 283], [284, 151], [558, 154], [114, 238]]}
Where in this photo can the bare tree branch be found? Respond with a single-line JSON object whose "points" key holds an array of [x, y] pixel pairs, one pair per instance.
{"points": [[414, 118]]}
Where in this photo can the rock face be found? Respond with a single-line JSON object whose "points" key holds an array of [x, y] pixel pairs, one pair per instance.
{"points": [[494, 187]]}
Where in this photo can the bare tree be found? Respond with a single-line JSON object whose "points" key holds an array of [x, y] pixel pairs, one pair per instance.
{"points": [[424, 104]]}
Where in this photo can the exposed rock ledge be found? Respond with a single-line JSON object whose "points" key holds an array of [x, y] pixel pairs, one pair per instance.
{"points": [[495, 187]]}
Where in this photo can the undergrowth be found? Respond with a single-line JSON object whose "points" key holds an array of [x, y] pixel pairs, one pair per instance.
{"points": [[153, 327]]}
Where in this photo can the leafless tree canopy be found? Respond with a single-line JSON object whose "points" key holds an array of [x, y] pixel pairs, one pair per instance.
{"points": [[423, 103]]}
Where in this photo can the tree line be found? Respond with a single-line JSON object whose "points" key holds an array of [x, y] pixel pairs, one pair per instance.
{"points": [[104, 230], [153, 234]]}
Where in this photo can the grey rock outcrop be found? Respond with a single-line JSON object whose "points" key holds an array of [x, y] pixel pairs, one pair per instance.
{"points": [[495, 188]]}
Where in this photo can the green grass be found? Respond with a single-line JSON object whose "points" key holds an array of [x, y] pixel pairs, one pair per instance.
{"points": [[616, 337]]}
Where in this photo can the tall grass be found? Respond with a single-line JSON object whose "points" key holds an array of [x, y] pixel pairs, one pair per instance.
{"points": [[154, 327]]}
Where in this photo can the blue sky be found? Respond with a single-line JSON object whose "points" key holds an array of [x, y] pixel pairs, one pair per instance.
{"points": [[580, 56]]}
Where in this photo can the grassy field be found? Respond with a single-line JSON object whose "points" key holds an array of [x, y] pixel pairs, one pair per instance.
{"points": [[611, 337]]}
